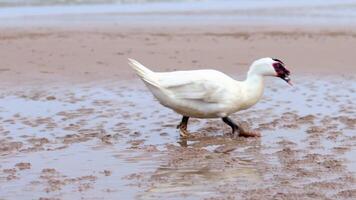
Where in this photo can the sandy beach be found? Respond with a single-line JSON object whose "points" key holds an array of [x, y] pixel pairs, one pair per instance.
{"points": [[77, 54], [76, 122]]}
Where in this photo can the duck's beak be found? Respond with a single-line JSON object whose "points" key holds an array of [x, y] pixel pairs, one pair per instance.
{"points": [[287, 79]]}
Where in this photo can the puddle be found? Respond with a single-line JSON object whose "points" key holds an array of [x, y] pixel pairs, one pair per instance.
{"points": [[100, 141]]}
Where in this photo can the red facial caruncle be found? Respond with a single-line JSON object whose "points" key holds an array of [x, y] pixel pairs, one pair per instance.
{"points": [[281, 71]]}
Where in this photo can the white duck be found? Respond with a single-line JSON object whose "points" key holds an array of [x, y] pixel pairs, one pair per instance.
{"points": [[210, 93]]}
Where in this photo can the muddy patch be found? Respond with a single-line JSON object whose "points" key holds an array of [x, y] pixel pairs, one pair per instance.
{"points": [[99, 141]]}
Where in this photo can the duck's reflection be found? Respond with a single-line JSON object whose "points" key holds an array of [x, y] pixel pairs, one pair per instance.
{"points": [[201, 164]]}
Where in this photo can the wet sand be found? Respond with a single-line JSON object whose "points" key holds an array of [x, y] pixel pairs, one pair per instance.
{"points": [[76, 123]]}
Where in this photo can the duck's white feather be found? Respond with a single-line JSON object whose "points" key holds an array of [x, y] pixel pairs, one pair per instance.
{"points": [[144, 73], [196, 93], [195, 85]]}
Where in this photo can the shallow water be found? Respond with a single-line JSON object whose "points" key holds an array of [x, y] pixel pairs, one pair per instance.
{"points": [[109, 140], [210, 12]]}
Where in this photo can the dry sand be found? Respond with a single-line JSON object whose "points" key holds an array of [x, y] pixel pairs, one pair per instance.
{"points": [[76, 123], [75, 54]]}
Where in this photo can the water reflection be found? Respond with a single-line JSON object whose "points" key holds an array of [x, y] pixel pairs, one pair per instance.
{"points": [[203, 163]]}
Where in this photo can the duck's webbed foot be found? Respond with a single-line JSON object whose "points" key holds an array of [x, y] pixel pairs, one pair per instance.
{"points": [[183, 127], [244, 133], [241, 132]]}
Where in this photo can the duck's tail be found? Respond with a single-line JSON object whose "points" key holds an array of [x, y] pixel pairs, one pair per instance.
{"points": [[144, 73]]}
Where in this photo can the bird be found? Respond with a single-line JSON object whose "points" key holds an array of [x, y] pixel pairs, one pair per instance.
{"points": [[208, 93]]}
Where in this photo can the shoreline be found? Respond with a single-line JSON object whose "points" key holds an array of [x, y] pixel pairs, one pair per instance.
{"points": [[193, 13]]}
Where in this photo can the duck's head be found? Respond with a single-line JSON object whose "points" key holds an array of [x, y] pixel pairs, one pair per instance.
{"points": [[270, 67]]}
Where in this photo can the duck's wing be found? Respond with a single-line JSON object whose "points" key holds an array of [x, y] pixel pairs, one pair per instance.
{"points": [[208, 86]]}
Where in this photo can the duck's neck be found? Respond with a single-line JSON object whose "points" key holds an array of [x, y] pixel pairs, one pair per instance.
{"points": [[253, 88]]}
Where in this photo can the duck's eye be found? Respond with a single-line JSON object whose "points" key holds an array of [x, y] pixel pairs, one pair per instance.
{"points": [[278, 67], [280, 70]]}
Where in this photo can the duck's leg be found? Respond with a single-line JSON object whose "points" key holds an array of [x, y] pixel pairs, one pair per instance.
{"points": [[183, 127], [239, 130], [229, 122]]}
